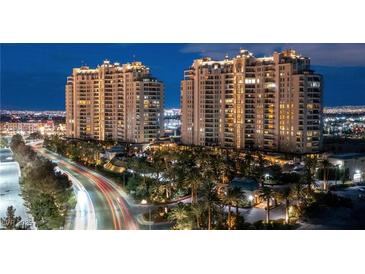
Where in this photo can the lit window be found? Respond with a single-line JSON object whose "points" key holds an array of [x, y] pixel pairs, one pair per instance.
{"points": [[250, 81]]}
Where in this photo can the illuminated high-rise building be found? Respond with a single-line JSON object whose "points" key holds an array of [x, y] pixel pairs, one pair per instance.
{"points": [[114, 102], [271, 103]]}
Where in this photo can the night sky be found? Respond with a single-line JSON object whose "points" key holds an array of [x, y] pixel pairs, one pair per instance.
{"points": [[33, 76]]}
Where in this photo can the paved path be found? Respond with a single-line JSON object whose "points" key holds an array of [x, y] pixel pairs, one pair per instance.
{"points": [[10, 188]]}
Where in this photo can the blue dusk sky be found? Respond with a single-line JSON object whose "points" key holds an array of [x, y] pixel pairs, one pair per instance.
{"points": [[33, 76]]}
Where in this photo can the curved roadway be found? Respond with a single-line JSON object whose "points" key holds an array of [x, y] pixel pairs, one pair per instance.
{"points": [[101, 204]]}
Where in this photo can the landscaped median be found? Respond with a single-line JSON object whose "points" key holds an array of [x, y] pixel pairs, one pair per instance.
{"points": [[48, 194]]}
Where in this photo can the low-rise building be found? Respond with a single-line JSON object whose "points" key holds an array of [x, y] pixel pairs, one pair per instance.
{"points": [[112, 152], [353, 162], [26, 128]]}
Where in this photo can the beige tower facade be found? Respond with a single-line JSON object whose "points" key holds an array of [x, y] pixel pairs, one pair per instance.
{"points": [[107, 103], [272, 103]]}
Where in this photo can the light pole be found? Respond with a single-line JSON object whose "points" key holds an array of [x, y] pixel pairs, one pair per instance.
{"points": [[250, 198], [150, 218], [267, 178], [336, 173], [144, 202]]}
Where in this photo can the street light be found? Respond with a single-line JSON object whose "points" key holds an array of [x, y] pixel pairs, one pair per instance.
{"points": [[267, 177], [250, 198], [337, 167], [144, 202], [357, 176]]}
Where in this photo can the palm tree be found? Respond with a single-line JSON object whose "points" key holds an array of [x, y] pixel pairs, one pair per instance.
{"points": [[142, 167], [197, 211], [258, 171], [10, 221], [227, 169], [240, 195], [157, 192], [210, 199], [159, 163], [325, 166], [180, 215], [185, 173], [142, 187], [193, 180], [232, 198], [309, 170], [285, 195], [266, 193], [228, 200], [297, 192], [248, 163]]}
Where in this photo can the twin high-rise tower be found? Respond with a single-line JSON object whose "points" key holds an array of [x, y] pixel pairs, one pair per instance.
{"points": [[270, 103], [114, 102]]}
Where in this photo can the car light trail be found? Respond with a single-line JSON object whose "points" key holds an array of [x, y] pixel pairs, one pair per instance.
{"points": [[120, 216], [85, 212]]}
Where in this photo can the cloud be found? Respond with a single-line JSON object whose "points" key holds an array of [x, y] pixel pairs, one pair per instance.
{"points": [[346, 54]]}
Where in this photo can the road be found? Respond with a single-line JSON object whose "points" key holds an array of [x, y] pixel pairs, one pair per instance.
{"points": [[101, 204], [83, 217]]}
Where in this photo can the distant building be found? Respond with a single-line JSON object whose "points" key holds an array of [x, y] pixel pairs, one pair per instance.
{"points": [[271, 103], [172, 122], [163, 143], [112, 152], [26, 128], [344, 110], [114, 102], [353, 162], [172, 112]]}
